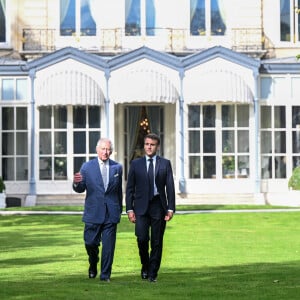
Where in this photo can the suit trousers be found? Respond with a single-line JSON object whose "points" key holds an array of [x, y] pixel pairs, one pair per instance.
{"points": [[94, 234], [151, 227]]}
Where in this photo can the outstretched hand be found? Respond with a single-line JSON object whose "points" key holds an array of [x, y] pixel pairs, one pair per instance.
{"points": [[77, 178]]}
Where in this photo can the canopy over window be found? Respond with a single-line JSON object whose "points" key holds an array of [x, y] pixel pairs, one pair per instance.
{"points": [[69, 87], [218, 86], [143, 86]]}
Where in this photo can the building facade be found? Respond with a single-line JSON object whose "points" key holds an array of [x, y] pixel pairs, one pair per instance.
{"points": [[221, 86]]}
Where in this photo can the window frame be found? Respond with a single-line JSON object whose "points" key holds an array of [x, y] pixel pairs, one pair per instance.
{"points": [[16, 154], [294, 22], [78, 30]]}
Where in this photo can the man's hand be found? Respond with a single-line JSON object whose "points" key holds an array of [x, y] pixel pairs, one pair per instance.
{"points": [[77, 178], [169, 216], [131, 217]]}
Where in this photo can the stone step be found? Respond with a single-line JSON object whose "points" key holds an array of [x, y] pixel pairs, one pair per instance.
{"points": [[209, 199], [60, 200]]}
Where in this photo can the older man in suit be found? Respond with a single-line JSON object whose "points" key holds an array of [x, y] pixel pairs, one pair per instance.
{"points": [[150, 202], [101, 178]]}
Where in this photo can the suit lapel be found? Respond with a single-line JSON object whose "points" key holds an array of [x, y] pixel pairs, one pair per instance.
{"points": [[157, 165], [97, 171]]}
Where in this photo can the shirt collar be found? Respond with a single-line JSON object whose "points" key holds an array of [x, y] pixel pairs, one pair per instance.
{"points": [[148, 157], [103, 162]]}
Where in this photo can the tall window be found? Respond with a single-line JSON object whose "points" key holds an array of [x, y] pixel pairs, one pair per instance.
{"points": [[227, 142], [273, 137], [77, 17], [235, 141], [53, 143], [289, 20], [207, 17], [86, 132], [2, 22], [296, 135], [56, 146], [14, 138], [202, 141], [140, 17]]}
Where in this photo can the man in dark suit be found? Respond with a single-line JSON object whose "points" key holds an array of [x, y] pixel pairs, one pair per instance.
{"points": [[101, 178], [150, 202]]}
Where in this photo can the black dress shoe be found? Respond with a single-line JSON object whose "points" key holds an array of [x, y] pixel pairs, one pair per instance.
{"points": [[92, 273], [152, 279], [105, 279], [144, 274]]}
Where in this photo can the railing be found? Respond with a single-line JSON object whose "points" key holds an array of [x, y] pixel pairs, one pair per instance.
{"points": [[116, 39], [38, 40], [247, 39]]}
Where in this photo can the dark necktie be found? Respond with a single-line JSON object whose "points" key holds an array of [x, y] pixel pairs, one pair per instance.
{"points": [[151, 179]]}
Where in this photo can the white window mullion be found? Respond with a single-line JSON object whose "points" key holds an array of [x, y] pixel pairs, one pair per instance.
{"points": [[77, 17], [219, 173], [143, 17], [208, 17]]}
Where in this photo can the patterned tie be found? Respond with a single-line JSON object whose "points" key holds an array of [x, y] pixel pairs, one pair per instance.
{"points": [[151, 179], [104, 174]]}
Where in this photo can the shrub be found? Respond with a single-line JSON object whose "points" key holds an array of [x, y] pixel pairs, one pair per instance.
{"points": [[294, 181], [2, 185]]}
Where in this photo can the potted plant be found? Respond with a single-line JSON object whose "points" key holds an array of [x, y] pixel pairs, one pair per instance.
{"points": [[2, 194]]}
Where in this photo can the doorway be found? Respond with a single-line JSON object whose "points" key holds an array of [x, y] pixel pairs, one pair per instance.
{"points": [[139, 121]]}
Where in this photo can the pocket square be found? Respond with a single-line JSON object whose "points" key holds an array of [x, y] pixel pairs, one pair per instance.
{"points": [[116, 175]]}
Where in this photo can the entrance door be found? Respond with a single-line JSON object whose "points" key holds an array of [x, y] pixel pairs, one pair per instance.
{"points": [[139, 121]]}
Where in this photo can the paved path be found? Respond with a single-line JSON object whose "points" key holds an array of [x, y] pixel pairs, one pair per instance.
{"points": [[44, 212]]}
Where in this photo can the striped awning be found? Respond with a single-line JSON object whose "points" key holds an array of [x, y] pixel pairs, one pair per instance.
{"points": [[68, 87], [143, 86], [218, 86]]}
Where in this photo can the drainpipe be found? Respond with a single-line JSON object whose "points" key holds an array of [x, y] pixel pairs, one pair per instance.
{"points": [[107, 102], [257, 137], [31, 198], [182, 182]]}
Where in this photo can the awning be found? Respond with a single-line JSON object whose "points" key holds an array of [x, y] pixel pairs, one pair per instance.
{"points": [[69, 87], [142, 86], [218, 86]]}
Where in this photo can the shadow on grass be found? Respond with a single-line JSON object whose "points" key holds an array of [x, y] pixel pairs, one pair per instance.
{"points": [[253, 281]]}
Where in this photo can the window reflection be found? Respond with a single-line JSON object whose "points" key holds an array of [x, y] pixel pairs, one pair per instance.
{"points": [[200, 13], [133, 17], [285, 21], [2, 22], [69, 21]]}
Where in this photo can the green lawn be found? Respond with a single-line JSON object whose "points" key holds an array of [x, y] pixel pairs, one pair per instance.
{"points": [[206, 256]]}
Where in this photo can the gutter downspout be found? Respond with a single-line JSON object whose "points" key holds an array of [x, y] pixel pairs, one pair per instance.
{"points": [[31, 198], [258, 195], [107, 102], [182, 182]]}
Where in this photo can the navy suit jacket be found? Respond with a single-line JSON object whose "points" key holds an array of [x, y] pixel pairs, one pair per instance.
{"points": [[97, 200], [137, 189]]}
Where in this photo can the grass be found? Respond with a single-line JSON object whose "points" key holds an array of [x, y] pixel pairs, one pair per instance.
{"points": [[78, 208], [206, 256]]}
